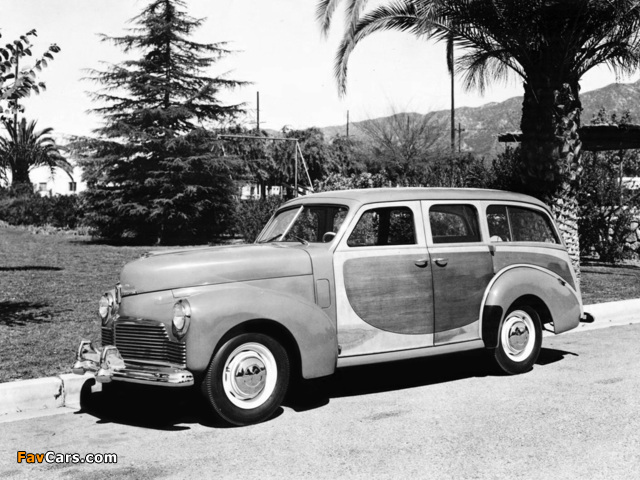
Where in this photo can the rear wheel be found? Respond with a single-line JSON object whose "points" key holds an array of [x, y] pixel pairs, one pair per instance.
{"points": [[247, 379], [519, 340]]}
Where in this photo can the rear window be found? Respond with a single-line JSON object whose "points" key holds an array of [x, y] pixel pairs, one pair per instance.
{"points": [[517, 224]]}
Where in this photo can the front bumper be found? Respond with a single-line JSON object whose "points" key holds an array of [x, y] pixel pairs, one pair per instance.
{"points": [[107, 364]]}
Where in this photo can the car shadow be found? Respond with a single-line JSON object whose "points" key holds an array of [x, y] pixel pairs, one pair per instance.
{"points": [[14, 314], [175, 409], [27, 268], [170, 409]]}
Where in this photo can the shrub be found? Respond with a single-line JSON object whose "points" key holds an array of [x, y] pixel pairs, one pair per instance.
{"points": [[455, 171], [337, 181], [252, 215], [60, 211], [607, 207]]}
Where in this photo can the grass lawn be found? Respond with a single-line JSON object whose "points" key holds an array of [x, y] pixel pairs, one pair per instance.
{"points": [[50, 286], [49, 289]]}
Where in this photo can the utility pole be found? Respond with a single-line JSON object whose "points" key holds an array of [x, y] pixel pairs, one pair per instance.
{"points": [[258, 113], [347, 124], [451, 68], [296, 170], [453, 116]]}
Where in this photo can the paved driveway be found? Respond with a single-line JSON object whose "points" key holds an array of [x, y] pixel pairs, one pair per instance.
{"points": [[576, 415]]}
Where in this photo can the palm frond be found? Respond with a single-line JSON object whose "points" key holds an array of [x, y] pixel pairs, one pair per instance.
{"points": [[399, 16], [324, 14]]}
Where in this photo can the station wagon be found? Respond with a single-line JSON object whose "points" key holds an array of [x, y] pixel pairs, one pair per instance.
{"points": [[340, 279]]}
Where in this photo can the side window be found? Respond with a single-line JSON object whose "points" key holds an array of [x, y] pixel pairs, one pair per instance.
{"points": [[384, 226], [516, 224], [531, 226], [454, 223], [498, 223]]}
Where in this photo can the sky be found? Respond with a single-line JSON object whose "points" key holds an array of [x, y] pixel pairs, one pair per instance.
{"points": [[278, 47]]}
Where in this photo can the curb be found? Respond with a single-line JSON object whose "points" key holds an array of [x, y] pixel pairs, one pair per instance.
{"points": [[622, 312], [64, 390], [43, 393]]}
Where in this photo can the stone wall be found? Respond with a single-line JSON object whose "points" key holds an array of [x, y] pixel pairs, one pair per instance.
{"points": [[632, 240]]}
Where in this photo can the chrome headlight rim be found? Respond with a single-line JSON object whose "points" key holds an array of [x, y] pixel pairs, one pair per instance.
{"points": [[106, 306], [181, 318]]}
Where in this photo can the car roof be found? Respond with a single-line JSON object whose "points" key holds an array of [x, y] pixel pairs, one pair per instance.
{"points": [[375, 195]]}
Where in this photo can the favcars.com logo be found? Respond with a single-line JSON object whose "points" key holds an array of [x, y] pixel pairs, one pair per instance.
{"points": [[53, 457]]}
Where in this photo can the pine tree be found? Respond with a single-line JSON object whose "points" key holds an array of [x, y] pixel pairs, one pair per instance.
{"points": [[154, 174]]}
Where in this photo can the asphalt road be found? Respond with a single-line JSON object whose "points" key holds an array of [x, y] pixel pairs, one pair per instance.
{"points": [[575, 416]]}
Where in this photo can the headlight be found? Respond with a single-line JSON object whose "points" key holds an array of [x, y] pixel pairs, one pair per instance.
{"points": [[105, 307], [181, 318]]}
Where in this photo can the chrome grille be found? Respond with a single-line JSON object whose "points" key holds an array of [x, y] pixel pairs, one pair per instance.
{"points": [[107, 336], [148, 342]]}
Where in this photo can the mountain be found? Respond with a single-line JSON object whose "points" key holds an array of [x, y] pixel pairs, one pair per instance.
{"points": [[482, 125]]}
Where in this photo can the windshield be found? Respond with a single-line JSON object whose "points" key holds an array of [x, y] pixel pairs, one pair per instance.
{"points": [[306, 223]]}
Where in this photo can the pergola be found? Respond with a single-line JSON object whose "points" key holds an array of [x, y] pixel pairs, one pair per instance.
{"points": [[596, 138]]}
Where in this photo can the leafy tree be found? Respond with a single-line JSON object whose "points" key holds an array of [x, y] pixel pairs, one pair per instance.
{"points": [[156, 174], [549, 44], [256, 154], [25, 149], [17, 82], [350, 154], [21, 81], [402, 143], [607, 207], [318, 155]]}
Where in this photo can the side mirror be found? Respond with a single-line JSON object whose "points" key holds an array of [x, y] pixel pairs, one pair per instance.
{"points": [[327, 237]]}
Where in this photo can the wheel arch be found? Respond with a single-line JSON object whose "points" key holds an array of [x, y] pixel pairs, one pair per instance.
{"points": [[303, 328], [273, 329], [553, 299]]}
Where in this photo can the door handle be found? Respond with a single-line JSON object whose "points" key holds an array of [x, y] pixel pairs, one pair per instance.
{"points": [[442, 262], [423, 262]]}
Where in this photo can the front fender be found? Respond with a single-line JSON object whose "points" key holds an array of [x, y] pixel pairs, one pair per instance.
{"points": [[517, 281], [218, 309]]}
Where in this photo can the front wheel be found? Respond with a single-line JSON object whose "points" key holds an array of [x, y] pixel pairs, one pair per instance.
{"points": [[247, 379], [519, 340]]}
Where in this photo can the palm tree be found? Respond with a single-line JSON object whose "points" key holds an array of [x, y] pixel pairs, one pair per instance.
{"points": [[548, 44], [25, 149]]}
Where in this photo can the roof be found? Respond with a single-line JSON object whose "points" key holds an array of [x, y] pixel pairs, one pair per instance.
{"points": [[375, 195]]}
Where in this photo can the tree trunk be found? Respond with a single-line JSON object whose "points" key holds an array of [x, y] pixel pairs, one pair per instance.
{"points": [[551, 154], [20, 174]]}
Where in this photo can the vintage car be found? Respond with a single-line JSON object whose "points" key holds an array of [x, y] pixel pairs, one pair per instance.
{"points": [[339, 279]]}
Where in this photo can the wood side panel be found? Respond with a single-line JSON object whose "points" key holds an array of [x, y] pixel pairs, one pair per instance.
{"points": [[556, 265], [459, 287], [391, 293]]}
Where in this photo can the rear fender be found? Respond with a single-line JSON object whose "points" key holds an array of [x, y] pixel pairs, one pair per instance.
{"points": [[517, 281], [219, 309]]}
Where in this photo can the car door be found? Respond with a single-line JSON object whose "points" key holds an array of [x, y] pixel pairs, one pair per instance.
{"points": [[384, 293], [462, 268]]}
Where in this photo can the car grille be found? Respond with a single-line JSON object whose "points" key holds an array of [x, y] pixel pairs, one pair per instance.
{"points": [[107, 336], [145, 342]]}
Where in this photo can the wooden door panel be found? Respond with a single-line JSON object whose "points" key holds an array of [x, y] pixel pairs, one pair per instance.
{"points": [[391, 293]]}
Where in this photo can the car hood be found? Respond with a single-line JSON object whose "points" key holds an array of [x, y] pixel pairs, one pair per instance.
{"points": [[189, 267]]}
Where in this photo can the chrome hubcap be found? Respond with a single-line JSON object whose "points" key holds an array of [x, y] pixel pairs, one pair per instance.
{"points": [[250, 375], [518, 335]]}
